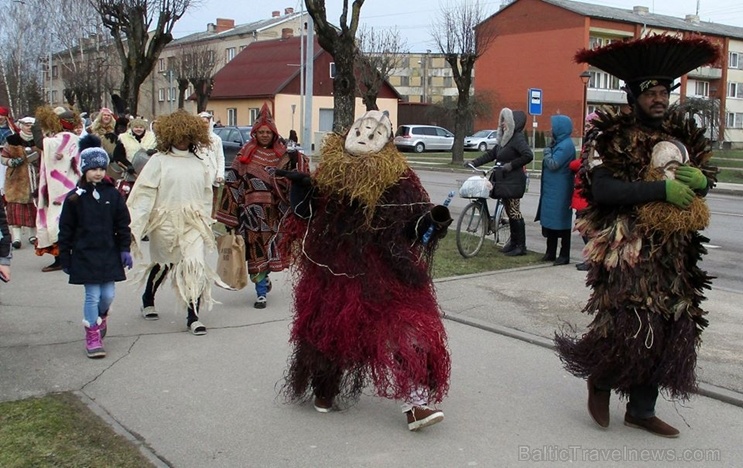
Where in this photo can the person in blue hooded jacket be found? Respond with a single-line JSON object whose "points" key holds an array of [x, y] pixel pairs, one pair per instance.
{"points": [[554, 212]]}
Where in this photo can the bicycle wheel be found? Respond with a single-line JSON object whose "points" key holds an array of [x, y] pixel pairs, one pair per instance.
{"points": [[502, 225], [471, 229]]}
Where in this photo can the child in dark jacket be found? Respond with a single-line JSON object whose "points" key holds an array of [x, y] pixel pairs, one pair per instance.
{"points": [[94, 240]]}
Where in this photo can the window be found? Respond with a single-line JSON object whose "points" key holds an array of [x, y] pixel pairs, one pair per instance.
{"points": [[229, 53], [596, 42], [254, 114], [601, 80], [161, 94], [735, 90], [231, 116], [404, 81], [448, 82], [242, 47], [405, 62], [55, 71], [332, 70], [734, 120], [701, 88], [161, 65], [733, 58], [54, 96]]}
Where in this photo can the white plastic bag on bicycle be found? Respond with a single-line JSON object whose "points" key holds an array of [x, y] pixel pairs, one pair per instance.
{"points": [[475, 187]]}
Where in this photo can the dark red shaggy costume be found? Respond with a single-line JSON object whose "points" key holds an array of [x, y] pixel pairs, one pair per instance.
{"points": [[365, 307]]}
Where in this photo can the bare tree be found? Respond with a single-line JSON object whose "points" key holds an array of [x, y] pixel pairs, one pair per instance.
{"points": [[706, 113], [380, 53], [20, 69], [196, 63], [341, 44], [459, 35], [84, 61], [140, 29]]}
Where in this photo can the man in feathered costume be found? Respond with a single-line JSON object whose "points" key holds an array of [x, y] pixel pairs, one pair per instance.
{"points": [[645, 208], [365, 307]]}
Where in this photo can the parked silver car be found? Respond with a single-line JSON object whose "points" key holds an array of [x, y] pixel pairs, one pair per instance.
{"points": [[420, 138], [481, 141]]}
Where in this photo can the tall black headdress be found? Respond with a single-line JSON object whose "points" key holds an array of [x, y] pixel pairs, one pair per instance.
{"points": [[654, 60]]}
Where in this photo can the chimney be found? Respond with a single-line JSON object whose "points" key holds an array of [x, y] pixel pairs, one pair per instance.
{"points": [[288, 11], [694, 19], [211, 27], [287, 33], [275, 14], [224, 24], [640, 10]]}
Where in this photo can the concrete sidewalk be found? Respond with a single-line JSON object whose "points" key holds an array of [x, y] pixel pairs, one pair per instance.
{"points": [[213, 400]]}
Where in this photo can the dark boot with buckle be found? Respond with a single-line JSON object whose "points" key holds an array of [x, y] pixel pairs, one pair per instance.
{"points": [[520, 235], [598, 403], [511, 244]]}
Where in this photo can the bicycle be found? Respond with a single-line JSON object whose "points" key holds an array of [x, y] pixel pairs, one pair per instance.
{"points": [[476, 222]]}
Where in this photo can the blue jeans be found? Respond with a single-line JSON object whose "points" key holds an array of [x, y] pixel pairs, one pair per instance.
{"points": [[98, 298], [261, 287]]}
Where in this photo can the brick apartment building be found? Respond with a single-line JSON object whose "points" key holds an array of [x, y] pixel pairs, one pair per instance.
{"points": [[536, 41]]}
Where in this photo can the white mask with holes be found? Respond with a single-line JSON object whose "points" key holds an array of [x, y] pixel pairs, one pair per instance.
{"points": [[369, 133]]}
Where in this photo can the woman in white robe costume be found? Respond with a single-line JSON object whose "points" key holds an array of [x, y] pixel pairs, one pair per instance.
{"points": [[171, 204]]}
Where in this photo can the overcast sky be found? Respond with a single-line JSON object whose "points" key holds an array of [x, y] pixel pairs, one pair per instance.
{"points": [[413, 18]]}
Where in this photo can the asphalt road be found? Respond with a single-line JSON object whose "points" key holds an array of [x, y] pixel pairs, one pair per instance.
{"points": [[725, 247]]}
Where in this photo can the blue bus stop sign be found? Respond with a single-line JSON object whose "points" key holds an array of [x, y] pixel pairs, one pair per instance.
{"points": [[534, 101]]}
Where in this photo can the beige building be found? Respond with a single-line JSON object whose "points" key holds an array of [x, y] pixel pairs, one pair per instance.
{"points": [[159, 92], [424, 77]]}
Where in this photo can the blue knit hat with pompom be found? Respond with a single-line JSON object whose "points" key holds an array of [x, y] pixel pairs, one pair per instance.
{"points": [[93, 158]]}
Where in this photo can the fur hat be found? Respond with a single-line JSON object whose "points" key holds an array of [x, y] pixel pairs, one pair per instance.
{"points": [[93, 158], [137, 122]]}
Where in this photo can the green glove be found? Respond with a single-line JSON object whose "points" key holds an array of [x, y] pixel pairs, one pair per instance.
{"points": [[678, 193], [692, 177]]}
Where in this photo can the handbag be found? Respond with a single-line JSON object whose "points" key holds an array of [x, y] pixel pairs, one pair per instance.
{"points": [[231, 266], [511, 184]]}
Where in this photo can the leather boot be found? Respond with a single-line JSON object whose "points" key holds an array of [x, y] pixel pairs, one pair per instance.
{"points": [[653, 424], [551, 252], [511, 244], [564, 257], [598, 403], [520, 248]]}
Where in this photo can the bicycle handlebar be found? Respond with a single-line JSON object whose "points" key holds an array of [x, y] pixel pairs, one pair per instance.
{"points": [[483, 171]]}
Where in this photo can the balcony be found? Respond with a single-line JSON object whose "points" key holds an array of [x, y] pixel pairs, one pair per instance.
{"points": [[706, 73]]}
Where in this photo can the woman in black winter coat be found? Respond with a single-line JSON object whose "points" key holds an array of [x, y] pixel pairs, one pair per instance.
{"points": [[513, 153], [94, 240]]}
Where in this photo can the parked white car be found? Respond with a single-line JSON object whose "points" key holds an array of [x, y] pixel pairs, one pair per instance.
{"points": [[420, 138], [481, 141]]}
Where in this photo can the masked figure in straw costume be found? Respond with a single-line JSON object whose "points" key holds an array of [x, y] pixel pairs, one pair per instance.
{"points": [[365, 307], [59, 173], [645, 208]]}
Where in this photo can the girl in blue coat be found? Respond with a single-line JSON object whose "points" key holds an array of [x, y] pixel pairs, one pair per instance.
{"points": [[94, 239], [554, 212]]}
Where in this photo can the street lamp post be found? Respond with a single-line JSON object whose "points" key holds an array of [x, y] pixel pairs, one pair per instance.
{"points": [[584, 77]]}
